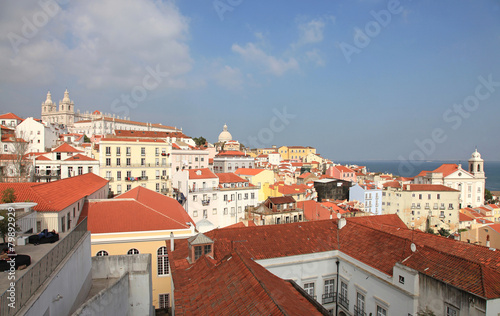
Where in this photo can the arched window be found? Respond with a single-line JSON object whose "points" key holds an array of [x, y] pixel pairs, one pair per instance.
{"points": [[478, 168], [102, 253], [162, 257], [133, 251]]}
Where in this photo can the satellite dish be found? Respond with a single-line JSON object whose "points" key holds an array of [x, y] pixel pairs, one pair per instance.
{"points": [[413, 247], [339, 216]]}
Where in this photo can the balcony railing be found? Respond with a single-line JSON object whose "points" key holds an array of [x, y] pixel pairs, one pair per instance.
{"points": [[164, 177], [191, 190], [205, 202], [329, 298], [136, 178], [38, 273], [344, 301], [139, 165], [358, 311], [164, 191]]}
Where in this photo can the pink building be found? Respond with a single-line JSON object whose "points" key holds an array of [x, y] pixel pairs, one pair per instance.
{"points": [[342, 173]]}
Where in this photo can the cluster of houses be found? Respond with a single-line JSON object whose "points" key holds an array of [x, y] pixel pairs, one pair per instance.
{"points": [[279, 230]]}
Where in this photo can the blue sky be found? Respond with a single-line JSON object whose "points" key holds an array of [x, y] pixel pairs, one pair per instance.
{"points": [[240, 61]]}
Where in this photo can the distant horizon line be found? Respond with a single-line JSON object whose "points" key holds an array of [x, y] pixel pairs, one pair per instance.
{"points": [[393, 160]]}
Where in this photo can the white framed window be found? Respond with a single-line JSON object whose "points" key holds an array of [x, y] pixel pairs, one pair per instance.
{"points": [[195, 213], [133, 251], [164, 301], [162, 258], [309, 288], [214, 211], [102, 253], [381, 311], [360, 303]]}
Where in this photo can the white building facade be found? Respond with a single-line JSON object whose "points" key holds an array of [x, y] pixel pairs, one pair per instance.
{"points": [[42, 136]]}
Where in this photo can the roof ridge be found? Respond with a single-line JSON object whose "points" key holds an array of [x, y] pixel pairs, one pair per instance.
{"points": [[162, 214], [261, 284]]}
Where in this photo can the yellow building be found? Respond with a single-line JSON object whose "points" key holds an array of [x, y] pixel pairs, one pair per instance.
{"points": [[131, 162], [138, 222], [259, 177], [295, 152]]}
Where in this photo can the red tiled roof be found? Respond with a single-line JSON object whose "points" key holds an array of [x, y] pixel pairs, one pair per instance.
{"points": [[281, 199], [422, 173], [314, 211], [495, 227], [56, 195], [10, 116], [66, 148], [428, 187], [248, 171], [139, 209], [150, 134], [205, 173], [343, 168], [292, 189], [304, 175], [464, 217], [229, 178], [236, 285], [392, 184], [446, 169], [229, 153], [466, 266], [80, 157], [42, 158]]}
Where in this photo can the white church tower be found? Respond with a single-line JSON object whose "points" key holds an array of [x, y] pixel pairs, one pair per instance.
{"points": [[476, 169]]}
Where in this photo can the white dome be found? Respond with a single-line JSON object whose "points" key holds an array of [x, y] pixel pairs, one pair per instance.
{"points": [[476, 155], [49, 99], [225, 136]]}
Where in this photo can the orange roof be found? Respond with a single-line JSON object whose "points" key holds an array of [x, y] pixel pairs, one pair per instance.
{"points": [[447, 169], [10, 116], [495, 227], [313, 210], [203, 173], [42, 158], [304, 175], [248, 171], [392, 184], [229, 178], [464, 217], [66, 148], [469, 267], [343, 168], [237, 285], [292, 189], [139, 209], [80, 157], [229, 153], [56, 195], [428, 187]]}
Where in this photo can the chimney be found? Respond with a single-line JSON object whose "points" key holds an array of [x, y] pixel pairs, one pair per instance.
{"points": [[172, 247], [342, 221]]}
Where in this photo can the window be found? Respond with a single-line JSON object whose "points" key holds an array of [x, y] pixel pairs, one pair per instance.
{"points": [[102, 253], [157, 187], [119, 189], [207, 249], [70, 171], [108, 161], [195, 197], [129, 174], [133, 251], [329, 292], [252, 196], [129, 186], [343, 295], [143, 151], [195, 213], [143, 161], [214, 211], [225, 197], [162, 258], [214, 196], [118, 162], [232, 211], [450, 311], [164, 301], [359, 309], [143, 173], [108, 151], [420, 196], [381, 311], [225, 211], [128, 150], [197, 252], [309, 288], [439, 196], [128, 161], [157, 151], [118, 175], [80, 171], [401, 279], [118, 151], [205, 214]]}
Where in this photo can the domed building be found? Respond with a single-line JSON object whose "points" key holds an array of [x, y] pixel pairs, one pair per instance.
{"points": [[225, 136]]}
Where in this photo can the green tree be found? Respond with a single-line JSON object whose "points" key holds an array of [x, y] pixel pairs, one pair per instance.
{"points": [[199, 141], [444, 232], [86, 139], [488, 197], [8, 196]]}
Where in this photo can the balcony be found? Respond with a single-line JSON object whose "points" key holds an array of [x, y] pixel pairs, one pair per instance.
{"points": [[164, 177], [343, 301], [109, 178], [329, 298], [442, 208], [359, 311], [164, 191], [136, 178], [50, 175], [192, 190], [205, 202]]}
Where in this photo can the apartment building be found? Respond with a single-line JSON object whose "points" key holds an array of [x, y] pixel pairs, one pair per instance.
{"points": [[220, 198], [230, 161], [369, 195], [422, 206], [295, 152], [131, 162]]}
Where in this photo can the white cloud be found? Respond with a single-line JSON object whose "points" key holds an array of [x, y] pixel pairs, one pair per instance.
{"points": [[229, 78], [311, 32], [315, 57], [108, 43], [270, 63]]}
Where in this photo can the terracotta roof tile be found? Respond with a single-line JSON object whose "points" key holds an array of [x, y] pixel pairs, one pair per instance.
{"points": [[11, 116], [80, 157], [229, 178], [66, 148], [203, 173], [248, 171]]}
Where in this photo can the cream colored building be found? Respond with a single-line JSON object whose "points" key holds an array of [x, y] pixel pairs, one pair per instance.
{"points": [[416, 203], [261, 178], [139, 222], [131, 162]]}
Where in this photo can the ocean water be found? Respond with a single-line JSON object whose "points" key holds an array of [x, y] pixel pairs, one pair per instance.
{"points": [[491, 169]]}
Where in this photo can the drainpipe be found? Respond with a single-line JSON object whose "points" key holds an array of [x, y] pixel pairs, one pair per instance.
{"points": [[337, 298]]}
